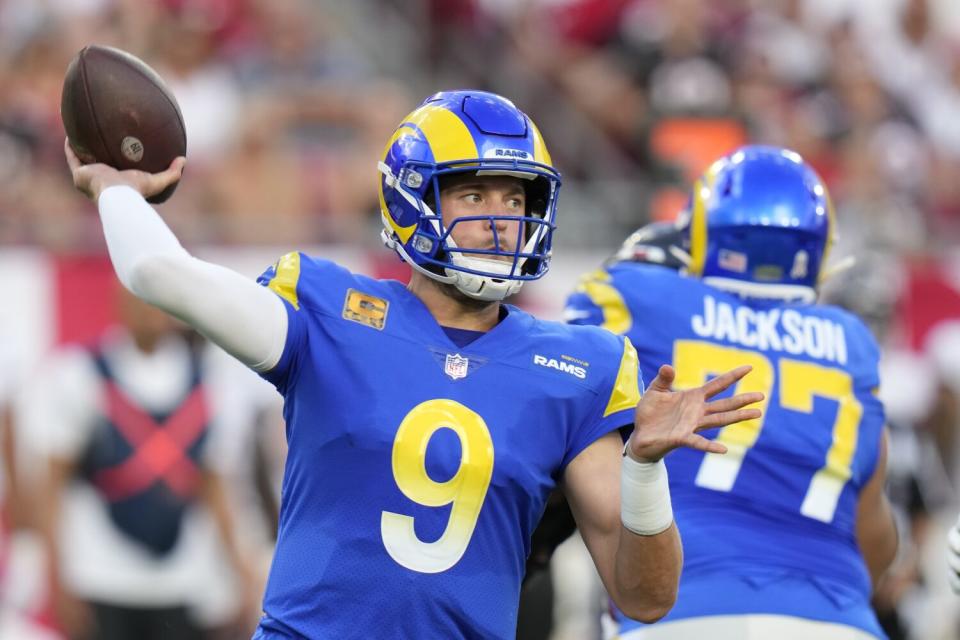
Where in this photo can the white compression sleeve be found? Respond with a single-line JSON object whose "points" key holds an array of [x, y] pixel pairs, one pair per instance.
{"points": [[244, 318]]}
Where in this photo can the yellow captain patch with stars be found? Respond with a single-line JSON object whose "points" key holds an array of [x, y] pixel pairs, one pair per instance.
{"points": [[365, 309]]}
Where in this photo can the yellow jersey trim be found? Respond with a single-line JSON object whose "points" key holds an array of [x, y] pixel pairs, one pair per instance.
{"points": [[286, 276], [626, 388], [616, 315]]}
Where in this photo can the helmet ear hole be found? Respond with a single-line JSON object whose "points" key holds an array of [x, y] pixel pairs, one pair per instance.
{"points": [[530, 267], [537, 192], [537, 207]]}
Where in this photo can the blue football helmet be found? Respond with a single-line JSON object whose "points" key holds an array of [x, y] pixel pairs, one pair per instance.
{"points": [[760, 223], [459, 132]]}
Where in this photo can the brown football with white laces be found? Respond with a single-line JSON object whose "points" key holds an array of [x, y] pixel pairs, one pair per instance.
{"points": [[118, 111]]}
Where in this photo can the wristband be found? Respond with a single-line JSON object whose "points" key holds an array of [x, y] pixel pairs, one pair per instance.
{"points": [[645, 507]]}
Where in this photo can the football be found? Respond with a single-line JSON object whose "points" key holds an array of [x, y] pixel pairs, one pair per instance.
{"points": [[118, 111]]}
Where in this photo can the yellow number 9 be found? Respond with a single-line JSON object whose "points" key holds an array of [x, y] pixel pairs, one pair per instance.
{"points": [[467, 489]]}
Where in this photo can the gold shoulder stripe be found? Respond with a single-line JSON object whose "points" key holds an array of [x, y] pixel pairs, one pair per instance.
{"points": [[616, 315], [626, 389], [284, 281]]}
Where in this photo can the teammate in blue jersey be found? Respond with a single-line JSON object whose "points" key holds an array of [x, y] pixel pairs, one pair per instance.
{"points": [[784, 535], [427, 423]]}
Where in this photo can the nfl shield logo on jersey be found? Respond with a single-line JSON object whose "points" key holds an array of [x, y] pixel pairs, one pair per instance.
{"points": [[456, 366]]}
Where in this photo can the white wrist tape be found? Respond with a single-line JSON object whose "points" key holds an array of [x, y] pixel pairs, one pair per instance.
{"points": [[645, 507]]}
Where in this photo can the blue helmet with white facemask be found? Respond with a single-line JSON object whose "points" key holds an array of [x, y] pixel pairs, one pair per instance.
{"points": [[760, 223], [467, 132]]}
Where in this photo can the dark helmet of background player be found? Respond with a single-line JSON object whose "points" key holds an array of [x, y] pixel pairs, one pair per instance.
{"points": [[654, 243]]}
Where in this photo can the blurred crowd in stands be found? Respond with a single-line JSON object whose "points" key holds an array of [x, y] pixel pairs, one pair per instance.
{"points": [[288, 103]]}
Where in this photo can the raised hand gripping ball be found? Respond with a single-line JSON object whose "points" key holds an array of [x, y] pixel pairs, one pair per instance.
{"points": [[118, 111]]}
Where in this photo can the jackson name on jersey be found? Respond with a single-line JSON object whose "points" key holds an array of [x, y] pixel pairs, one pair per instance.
{"points": [[770, 527]]}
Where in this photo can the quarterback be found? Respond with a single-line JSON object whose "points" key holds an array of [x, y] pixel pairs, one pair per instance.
{"points": [[428, 423]]}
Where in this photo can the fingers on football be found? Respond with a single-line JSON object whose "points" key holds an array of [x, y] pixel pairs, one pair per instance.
{"points": [[162, 180], [176, 166], [72, 160], [736, 402], [724, 418], [171, 173], [664, 379], [723, 381]]}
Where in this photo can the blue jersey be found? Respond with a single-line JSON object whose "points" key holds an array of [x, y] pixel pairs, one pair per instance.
{"points": [[417, 470], [770, 527]]}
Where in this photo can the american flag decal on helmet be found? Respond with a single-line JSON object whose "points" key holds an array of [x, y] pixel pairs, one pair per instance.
{"points": [[732, 260]]}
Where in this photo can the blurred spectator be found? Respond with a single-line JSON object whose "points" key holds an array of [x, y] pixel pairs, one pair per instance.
{"points": [[11, 506], [130, 428], [297, 45], [318, 114], [262, 188], [14, 623], [636, 93], [922, 416], [186, 57]]}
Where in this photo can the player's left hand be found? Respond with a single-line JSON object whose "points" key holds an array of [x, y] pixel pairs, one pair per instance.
{"points": [[667, 419], [953, 556]]}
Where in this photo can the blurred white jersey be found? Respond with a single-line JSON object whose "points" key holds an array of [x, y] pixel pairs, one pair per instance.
{"points": [[99, 562]]}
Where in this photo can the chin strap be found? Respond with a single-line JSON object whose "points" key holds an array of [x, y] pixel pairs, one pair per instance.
{"points": [[485, 288], [477, 287]]}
